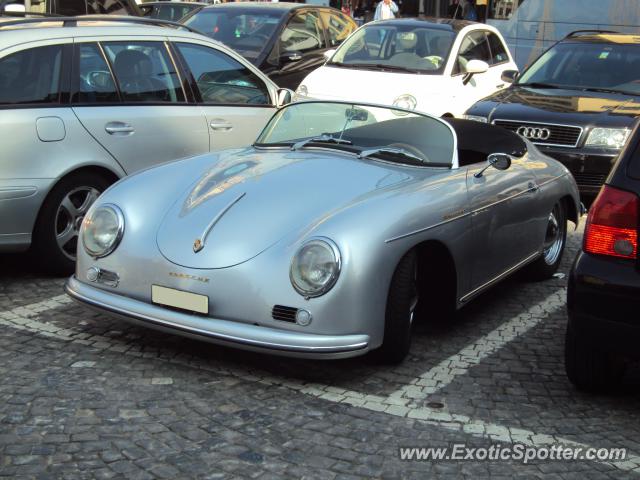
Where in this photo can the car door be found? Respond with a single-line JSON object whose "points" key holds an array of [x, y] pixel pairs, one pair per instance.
{"points": [[130, 98], [300, 48], [467, 91], [504, 232], [236, 101]]}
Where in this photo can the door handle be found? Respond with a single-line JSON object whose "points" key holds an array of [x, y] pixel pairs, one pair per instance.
{"points": [[220, 125], [533, 187], [118, 128], [500, 85]]}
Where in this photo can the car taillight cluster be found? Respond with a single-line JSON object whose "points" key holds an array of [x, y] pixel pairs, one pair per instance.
{"points": [[612, 224]]}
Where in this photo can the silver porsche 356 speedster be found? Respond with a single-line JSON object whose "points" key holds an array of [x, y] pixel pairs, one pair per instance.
{"points": [[328, 235]]}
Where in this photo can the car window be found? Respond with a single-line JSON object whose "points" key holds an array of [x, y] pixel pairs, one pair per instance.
{"points": [[498, 50], [31, 76], [94, 82], [339, 26], [246, 30], [303, 33], [166, 11], [222, 79], [473, 47], [72, 7], [112, 7], [144, 72]]}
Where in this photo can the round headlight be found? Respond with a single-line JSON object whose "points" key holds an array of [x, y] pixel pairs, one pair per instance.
{"points": [[406, 101], [315, 267], [102, 230]]}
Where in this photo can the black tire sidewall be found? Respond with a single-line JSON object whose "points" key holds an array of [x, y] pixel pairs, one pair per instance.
{"points": [[540, 269]]}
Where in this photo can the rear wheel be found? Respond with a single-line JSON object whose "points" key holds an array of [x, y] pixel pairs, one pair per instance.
{"points": [[400, 311], [58, 225], [587, 367], [553, 247]]}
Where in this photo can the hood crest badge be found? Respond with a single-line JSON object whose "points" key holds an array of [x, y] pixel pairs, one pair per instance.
{"points": [[199, 243]]}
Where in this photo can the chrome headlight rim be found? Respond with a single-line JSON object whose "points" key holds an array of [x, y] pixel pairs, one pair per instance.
{"points": [[606, 132], [119, 232], [330, 283]]}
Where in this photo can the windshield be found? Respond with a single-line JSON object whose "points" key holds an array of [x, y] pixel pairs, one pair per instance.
{"points": [[381, 132], [246, 31], [581, 65], [422, 50]]}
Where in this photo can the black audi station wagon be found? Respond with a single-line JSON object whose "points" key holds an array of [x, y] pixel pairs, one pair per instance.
{"points": [[576, 102]]}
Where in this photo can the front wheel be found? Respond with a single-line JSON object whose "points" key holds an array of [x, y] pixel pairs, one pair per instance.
{"points": [[399, 314], [553, 247], [58, 225]]}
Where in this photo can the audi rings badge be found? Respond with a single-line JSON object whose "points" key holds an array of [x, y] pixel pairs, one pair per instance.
{"points": [[534, 133]]}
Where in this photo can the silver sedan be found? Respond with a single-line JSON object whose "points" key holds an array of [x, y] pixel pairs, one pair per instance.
{"points": [[329, 235]]}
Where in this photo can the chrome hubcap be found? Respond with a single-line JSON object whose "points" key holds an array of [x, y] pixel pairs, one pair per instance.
{"points": [[69, 216], [554, 238]]}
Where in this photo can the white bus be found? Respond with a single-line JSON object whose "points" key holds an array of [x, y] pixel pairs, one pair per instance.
{"points": [[531, 26]]}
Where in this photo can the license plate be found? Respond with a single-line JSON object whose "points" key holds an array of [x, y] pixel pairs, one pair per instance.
{"points": [[179, 299]]}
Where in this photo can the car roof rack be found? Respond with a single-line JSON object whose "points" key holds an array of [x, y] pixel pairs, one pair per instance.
{"points": [[577, 33], [73, 21]]}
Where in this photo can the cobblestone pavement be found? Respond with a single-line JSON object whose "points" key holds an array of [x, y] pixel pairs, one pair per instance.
{"points": [[86, 396]]}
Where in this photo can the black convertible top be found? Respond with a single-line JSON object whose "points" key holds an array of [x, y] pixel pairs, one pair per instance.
{"points": [[476, 140]]}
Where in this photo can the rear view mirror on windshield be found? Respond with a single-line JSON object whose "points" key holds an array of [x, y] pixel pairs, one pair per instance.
{"points": [[356, 115]]}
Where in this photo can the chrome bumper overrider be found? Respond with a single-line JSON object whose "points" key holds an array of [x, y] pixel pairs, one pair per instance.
{"points": [[224, 332]]}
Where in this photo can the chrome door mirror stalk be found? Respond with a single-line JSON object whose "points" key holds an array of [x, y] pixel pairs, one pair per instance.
{"points": [[499, 161]]}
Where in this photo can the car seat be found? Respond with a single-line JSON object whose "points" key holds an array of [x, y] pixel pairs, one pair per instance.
{"points": [[134, 71]]}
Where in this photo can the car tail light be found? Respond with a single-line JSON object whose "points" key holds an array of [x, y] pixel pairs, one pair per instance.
{"points": [[612, 224]]}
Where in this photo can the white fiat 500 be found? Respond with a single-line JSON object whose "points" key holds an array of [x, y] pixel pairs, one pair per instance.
{"points": [[437, 66]]}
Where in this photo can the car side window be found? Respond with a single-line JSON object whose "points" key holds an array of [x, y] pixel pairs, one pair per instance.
{"points": [[144, 72], [94, 82], [72, 7], [31, 76], [498, 50], [111, 7], [474, 47], [221, 79], [303, 33], [339, 26]]}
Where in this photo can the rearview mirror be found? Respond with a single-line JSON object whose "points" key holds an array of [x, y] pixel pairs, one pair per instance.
{"points": [[499, 161], [285, 96], [509, 76], [329, 53], [356, 115]]}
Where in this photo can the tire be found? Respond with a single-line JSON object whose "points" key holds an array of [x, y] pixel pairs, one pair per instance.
{"points": [[56, 232], [401, 304], [587, 367], [555, 240]]}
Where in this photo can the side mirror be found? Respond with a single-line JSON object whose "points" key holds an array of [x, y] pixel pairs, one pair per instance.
{"points": [[329, 53], [509, 76], [285, 96], [290, 57], [499, 161], [477, 66]]}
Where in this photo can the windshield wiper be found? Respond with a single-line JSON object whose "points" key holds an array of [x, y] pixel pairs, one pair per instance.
{"points": [[383, 66], [321, 139], [540, 85], [606, 90], [339, 64], [398, 152]]}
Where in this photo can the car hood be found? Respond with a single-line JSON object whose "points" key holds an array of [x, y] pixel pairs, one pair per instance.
{"points": [[248, 201], [358, 85], [563, 106]]}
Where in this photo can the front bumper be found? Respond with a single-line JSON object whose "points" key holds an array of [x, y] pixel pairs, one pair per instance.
{"points": [[590, 168], [219, 331], [603, 302]]}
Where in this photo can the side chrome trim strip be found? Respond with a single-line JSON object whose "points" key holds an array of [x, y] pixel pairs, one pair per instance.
{"points": [[496, 279], [415, 232]]}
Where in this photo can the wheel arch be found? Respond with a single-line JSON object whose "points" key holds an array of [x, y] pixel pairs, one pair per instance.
{"points": [[571, 209], [437, 277]]}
